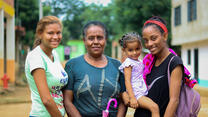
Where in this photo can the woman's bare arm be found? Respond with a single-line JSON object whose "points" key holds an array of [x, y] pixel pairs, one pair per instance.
{"points": [[71, 110], [42, 86], [174, 91]]}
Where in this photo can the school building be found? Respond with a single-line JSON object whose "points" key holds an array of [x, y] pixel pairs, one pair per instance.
{"points": [[7, 40], [189, 24]]}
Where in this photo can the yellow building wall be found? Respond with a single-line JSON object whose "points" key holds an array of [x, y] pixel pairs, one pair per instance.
{"points": [[189, 32], [9, 12], [1, 69], [11, 70], [8, 9]]}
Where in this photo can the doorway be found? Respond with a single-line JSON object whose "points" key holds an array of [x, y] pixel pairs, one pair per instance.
{"points": [[196, 63]]}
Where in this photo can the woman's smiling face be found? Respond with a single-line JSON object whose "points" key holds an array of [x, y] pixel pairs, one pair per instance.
{"points": [[154, 41], [95, 41], [51, 36]]}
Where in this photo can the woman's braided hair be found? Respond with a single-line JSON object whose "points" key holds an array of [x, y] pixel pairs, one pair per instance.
{"points": [[129, 37]]}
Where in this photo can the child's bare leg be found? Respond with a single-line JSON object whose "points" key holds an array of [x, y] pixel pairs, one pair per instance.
{"points": [[147, 103]]}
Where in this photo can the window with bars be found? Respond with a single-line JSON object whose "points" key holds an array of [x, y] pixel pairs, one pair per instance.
{"points": [[177, 17], [192, 10]]}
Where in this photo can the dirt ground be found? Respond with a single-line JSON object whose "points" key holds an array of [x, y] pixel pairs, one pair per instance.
{"points": [[16, 103], [15, 110]]}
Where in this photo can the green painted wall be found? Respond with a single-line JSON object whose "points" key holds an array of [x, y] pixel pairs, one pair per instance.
{"points": [[60, 51], [77, 48]]}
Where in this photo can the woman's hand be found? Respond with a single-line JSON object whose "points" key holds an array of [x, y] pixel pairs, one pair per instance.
{"points": [[133, 103], [125, 98]]}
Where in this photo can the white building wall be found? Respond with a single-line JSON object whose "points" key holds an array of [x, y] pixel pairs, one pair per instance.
{"points": [[203, 62], [184, 56], [10, 38], [1, 34], [1, 43], [191, 35], [189, 32], [203, 58]]}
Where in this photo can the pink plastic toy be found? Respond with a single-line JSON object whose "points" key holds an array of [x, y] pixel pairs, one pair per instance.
{"points": [[106, 111]]}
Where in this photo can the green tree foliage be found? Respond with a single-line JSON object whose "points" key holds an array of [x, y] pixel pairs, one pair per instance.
{"points": [[75, 14], [131, 14], [103, 14], [69, 11], [120, 16], [27, 16]]}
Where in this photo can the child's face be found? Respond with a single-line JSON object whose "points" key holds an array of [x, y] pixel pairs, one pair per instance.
{"points": [[133, 50]]}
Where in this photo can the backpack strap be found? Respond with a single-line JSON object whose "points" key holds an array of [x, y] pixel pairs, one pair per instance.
{"points": [[169, 69]]}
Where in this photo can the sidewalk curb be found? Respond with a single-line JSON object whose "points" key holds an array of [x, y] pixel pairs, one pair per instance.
{"points": [[13, 101], [14, 95]]}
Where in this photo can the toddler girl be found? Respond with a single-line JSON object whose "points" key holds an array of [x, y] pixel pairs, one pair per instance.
{"points": [[133, 68]]}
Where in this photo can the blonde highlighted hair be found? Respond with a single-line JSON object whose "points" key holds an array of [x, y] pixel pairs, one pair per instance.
{"points": [[41, 27]]}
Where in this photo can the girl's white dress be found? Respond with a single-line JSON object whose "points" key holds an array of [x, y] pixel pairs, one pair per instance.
{"points": [[137, 81]]}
